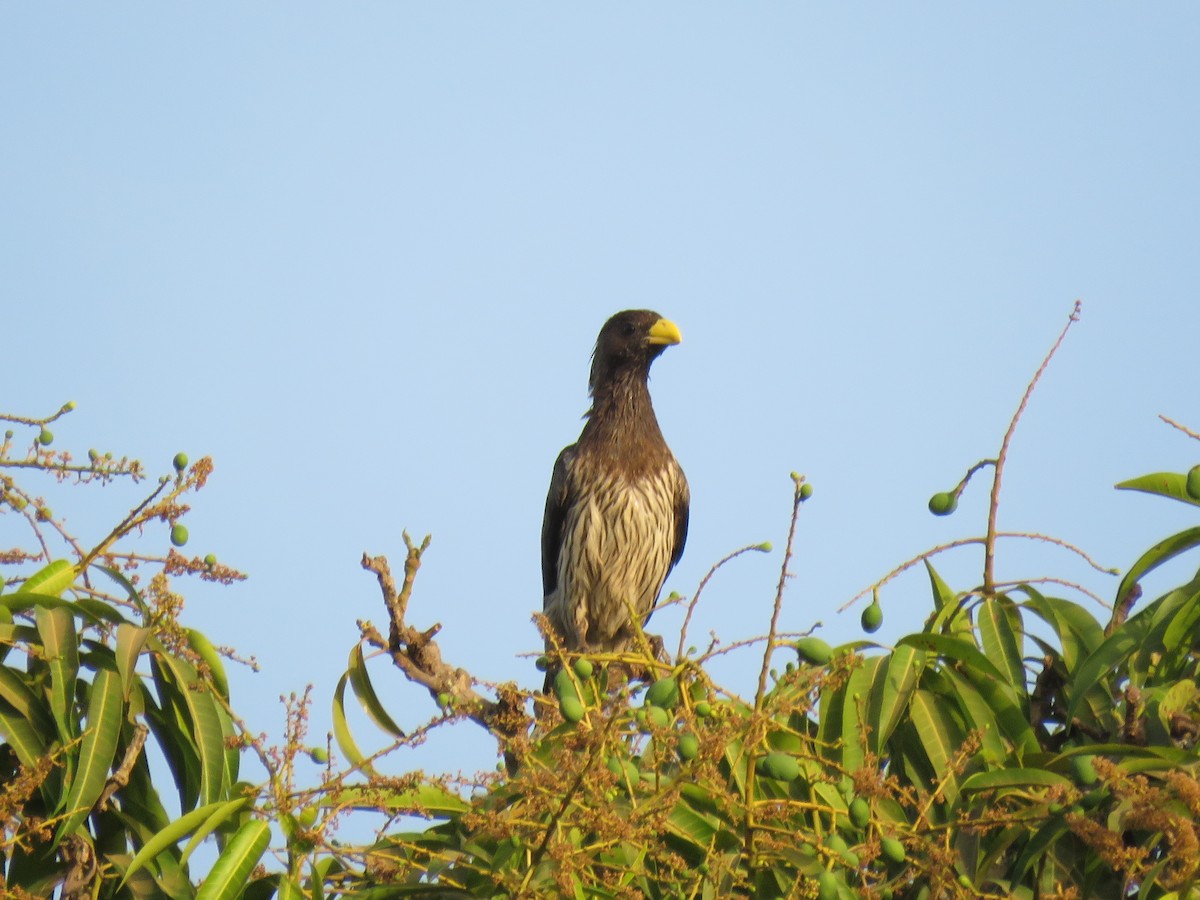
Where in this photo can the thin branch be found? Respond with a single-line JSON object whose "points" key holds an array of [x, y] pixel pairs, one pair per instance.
{"points": [[989, 551], [963, 542], [1182, 428], [120, 776], [418, 656], [797, 499], [764, 548]]}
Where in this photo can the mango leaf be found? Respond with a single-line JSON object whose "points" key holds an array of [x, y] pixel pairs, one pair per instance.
{"points": [[130, 641], [1157, 555], [132, 592], [218, 817], [181, 828], [948, 606], [173, 732], [24, 738], [1038, 846], [234, 866], [52, 579], [360, 681], [955, 649], [105, 714], [978, 714], [204, 719], [1115, 650], [1077, 630], [57, 630], [424, 799], [1164, 484], [996, 779], [890, 693], [24, 701], [940, 735], [1000, 634], [203, 648], [341, 729], [856, 705]]}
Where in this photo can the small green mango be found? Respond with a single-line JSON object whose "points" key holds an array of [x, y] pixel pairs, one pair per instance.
{"points": [[1193, 482], [813, 650], [860, 812], [892, 850], [872, 617], [943, 503], [777, 764], [664, 693], [571, 708], [688, 746]]}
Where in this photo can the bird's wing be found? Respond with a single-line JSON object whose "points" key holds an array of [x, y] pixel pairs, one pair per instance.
{"points": [[554, 520], [683, 502]]}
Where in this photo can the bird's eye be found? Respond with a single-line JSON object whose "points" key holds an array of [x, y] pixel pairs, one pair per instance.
{"points": [[628, 329]]}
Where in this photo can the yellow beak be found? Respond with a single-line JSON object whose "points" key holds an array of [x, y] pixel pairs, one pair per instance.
{"points": [[664, 331]]}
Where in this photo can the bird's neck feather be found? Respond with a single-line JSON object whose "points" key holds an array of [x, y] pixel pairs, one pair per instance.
{"points": [[621, 422]]}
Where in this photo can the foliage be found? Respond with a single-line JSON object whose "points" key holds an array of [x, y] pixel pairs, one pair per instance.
{"points": [[1015, 746]]}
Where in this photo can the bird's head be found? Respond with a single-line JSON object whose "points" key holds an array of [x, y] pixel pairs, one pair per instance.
{"points": [[628, 343]]}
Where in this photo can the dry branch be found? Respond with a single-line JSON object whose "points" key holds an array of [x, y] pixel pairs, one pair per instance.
{"points": [[418, 656]]}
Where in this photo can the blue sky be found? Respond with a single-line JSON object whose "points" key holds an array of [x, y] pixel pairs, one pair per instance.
{"points": [[359, 254]]}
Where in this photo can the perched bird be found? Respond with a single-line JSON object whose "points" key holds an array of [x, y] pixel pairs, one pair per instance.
{"points": [[617, 511]]}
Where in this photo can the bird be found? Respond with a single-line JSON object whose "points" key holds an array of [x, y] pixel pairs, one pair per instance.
{"points": [[616, 516]]}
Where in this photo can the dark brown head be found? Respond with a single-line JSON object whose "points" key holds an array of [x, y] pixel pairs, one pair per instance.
{"points": [[628, 343]]}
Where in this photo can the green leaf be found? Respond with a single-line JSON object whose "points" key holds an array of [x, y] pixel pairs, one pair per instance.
{"points": [[940, 736], [214, 813], [996, 779], [105, 714], [1164, 484], [211, 658], [17, 693], [119, 577], [1157, 555], [23, 737], [978, 714], [696, 830], [218, 817], [57, 630], [173, 733], [360, 681], [944, 599], [341, 729], [890, 693], [52, 580], [233, 868], [999, 632], [1038, 847], [424, 799], [857, 701], [204, 717], [956, 649], [130, 641], [1078, 631], [1114, 651]]}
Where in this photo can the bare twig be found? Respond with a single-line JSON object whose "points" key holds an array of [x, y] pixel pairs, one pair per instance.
{"points": [[763, 548], [1182, 428], [963, 542], [120, 776], [418, 656], [989, 549]]}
